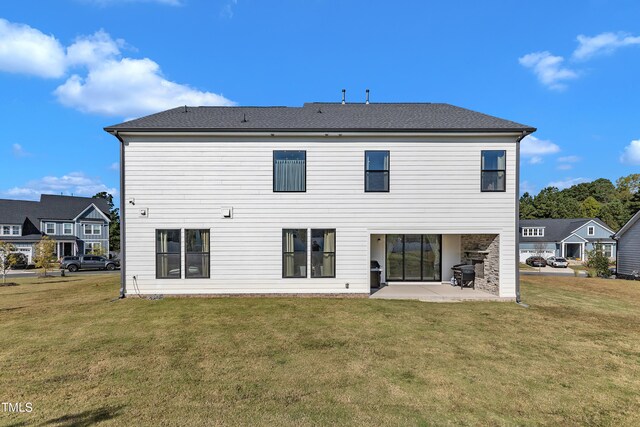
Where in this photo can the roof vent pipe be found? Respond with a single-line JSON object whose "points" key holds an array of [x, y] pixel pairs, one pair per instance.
{"points": [[367, 101], [344, 96]]}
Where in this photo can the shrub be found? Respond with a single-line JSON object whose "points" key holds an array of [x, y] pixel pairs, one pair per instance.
{"points": [[597, 263]]}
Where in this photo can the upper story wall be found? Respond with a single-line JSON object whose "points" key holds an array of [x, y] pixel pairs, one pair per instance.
{"points": [[599, 231]]}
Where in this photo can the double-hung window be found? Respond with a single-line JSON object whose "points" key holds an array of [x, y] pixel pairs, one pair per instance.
{"points": [[494, 167], [50, 228], [294, 253], [376, 171], [290, 171], [92, 229], [168, 254], [67, 229], [323, 253], [197, 254], [93, 248], [10, 230]]}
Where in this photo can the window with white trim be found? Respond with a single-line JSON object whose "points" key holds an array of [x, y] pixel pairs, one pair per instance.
{"points": [[591, 230], [93, 248], [67, 228], [50, 228], [533, 232], [10, 230], [92, 229]]}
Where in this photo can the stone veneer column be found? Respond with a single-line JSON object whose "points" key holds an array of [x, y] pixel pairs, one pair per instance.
{"points": [[470, 246]]}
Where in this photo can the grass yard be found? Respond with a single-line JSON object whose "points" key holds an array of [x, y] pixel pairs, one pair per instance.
{"points": [[573, 358]]}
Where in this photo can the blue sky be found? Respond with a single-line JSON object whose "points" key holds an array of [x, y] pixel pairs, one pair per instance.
{"points": [[70, 67]]}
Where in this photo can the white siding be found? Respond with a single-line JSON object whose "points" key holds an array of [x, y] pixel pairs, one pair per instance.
{"points": [[184, 182]]}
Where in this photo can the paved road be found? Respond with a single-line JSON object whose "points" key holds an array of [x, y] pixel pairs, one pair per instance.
{"points": [[34, 273]]}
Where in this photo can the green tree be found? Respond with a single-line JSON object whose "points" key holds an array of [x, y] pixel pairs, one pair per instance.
{"points": [[527, 208], [44, 256], [597, 262], [114, 216], [590, 207], [628, 186], [7, 259], [614, 214]]}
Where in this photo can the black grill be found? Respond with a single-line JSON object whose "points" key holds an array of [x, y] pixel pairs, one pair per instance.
{"points": [[464, 275]]}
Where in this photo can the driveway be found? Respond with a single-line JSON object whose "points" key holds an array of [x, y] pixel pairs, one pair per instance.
{"points": [[549, 271], [56, 272]]}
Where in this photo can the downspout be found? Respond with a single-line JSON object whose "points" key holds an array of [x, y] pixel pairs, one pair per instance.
{"points": [[520, 138], [123, 250]]}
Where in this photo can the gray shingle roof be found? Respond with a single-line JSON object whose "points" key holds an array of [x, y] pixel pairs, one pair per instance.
{"points": [[323, 117], [555, 230], [49, 207]]}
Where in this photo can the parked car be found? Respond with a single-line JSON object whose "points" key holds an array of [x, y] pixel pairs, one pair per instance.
{"points": [[86, 262], [19, 260], [536, 261], [557, 262]]}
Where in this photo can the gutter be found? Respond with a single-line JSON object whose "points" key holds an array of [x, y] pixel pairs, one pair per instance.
{"points": [[123, 250], [520, 138]]}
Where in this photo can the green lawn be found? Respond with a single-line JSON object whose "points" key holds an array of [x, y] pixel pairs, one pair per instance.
{"points": [[573, 358]]}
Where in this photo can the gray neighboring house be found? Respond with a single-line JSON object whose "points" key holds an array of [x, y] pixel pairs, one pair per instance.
{"points": [[628, 238], [568, 238], [78, 225]]}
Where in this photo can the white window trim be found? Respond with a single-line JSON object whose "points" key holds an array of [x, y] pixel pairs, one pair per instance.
{"points": [[532, 231], [46, 228], [64, 230], [93, 228], [90, 246], [12, 228], [591, 230]]}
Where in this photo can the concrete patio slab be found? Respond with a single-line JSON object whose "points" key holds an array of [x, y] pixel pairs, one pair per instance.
{"points": [[434, 293]]}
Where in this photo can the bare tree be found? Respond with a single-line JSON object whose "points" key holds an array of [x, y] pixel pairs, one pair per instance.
{"points": [[540, 248], [7, 259]]}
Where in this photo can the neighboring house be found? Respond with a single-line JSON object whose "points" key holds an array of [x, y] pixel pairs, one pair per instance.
{"points": [[569, 238], [280, 200], [628, 238], [78, 225]]}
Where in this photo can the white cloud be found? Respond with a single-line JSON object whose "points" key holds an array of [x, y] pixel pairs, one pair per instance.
{"points": [[76, 183], [534, 148], [227, 9], [115, 166], [131, 88], [564, 167], [569, 159], [93, 50], [631, 154], [568, 182], [25, 50], [19, 151], [548, 69], [604, 43]]}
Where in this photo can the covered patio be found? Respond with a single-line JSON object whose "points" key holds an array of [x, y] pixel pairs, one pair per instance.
{"points": [[434, 293]]}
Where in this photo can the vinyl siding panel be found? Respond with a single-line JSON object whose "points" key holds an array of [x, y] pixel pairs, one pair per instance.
{"points": [[629, 250], [184, 183]]}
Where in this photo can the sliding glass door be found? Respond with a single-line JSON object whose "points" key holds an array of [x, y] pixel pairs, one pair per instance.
{"points": [[413, 258]]}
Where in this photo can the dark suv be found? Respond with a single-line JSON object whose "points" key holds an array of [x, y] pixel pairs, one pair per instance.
{"points": [[86, 262]]}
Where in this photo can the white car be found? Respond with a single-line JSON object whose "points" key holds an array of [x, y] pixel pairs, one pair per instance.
{"points": [[557, 262]]}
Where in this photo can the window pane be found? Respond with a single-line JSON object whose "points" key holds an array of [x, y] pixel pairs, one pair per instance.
{"points": [[294, 248], [412, 257], [5, 229], [289, 171], [493, 160], [394, 257], [168, 266], [197, 240], [197, 265], [168, 241], [493, 181], [377, 181], [431, 257], [377, 160], [323, 243]]}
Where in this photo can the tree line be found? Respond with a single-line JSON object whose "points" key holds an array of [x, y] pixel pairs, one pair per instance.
{"points": [[614, 204]]}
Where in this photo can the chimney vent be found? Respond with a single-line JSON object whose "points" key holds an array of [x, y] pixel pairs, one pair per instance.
{"points": [[367, 101], [344, 96]]}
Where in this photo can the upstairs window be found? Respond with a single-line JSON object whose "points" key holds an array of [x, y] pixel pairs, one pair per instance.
{"points": [[11, 230], [494, 165], [50, 228], [290, 171], [67, 229], [294, 253], [168, 254], [533, 232], [92, 229], [376, 171], [591, 231]]}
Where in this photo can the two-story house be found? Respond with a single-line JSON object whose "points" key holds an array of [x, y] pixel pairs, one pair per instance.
{"points": [[282, 200], [78, 225], [571, 238]]}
